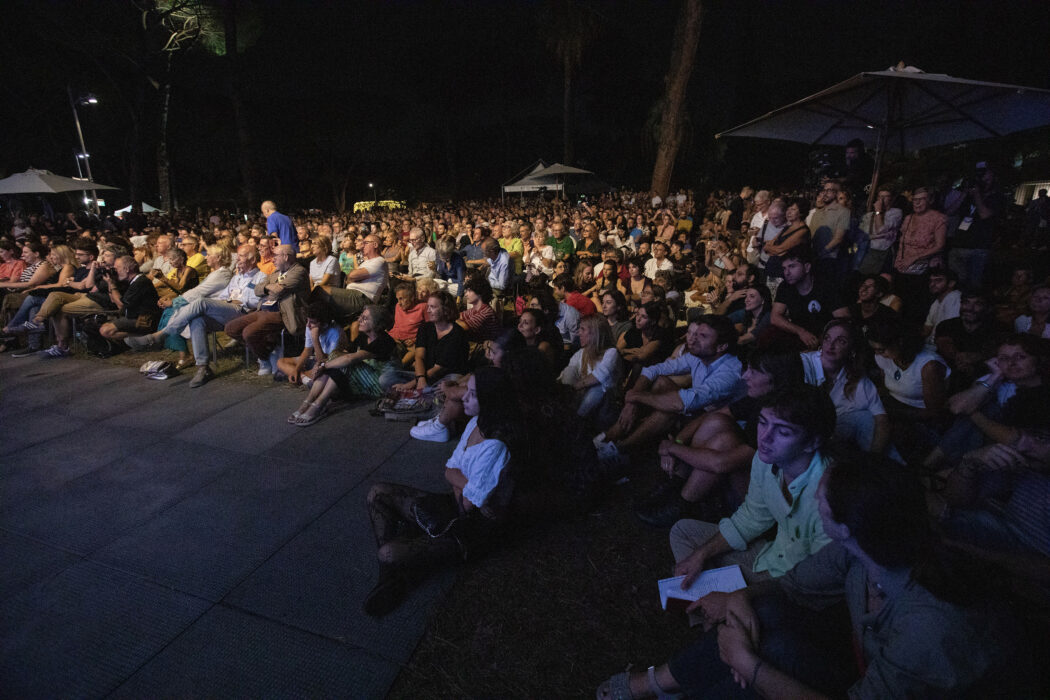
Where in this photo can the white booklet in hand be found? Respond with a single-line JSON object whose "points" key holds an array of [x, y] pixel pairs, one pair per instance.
{"points": [[723, 580]]}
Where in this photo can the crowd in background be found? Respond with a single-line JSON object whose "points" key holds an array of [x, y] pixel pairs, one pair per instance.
{"points": [[752, 348]]}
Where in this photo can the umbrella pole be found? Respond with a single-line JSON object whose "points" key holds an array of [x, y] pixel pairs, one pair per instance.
{"points": [[880, 151]]}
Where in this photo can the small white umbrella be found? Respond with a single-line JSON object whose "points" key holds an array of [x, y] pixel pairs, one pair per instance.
{"points": [[35, 181], [146, 209]]}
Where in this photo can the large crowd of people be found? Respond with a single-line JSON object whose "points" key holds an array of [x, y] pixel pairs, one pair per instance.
{"points": [[845, 400]]}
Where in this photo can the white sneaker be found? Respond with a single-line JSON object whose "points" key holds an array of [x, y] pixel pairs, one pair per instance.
{"points": [[433, 432], [264, 368], [426, 422]]}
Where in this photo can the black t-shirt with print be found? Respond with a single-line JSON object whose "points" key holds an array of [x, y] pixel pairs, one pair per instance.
{"points": [[811, 311]]}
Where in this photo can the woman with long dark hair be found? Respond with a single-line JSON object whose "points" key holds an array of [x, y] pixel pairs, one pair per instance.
{"points": [[914, 387], [838, 366], [418, 531]]}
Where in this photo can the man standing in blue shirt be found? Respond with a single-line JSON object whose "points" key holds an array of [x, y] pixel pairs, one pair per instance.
{"points": [[278, 223]]}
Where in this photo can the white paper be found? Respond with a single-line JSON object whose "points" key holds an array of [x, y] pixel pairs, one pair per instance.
{"points": [[723, 580]]}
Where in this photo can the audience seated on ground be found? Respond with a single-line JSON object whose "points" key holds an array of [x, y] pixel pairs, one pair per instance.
{"points": [[953, 401], [920, 626], [708, 458], [705, 377]]}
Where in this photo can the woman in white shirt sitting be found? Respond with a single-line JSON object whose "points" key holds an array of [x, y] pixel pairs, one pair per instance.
{"points": [[914, 388], [418, 531], [839, 367], [324, 268]]}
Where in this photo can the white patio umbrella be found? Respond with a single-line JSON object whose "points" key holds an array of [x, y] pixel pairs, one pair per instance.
{"points": [[35, 181], [905, 109], [146, 209]]}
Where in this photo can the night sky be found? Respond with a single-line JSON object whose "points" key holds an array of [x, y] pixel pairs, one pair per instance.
{"points": [[450, 99]]}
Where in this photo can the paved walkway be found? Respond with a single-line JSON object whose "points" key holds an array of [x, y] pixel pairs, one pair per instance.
{"points": [[160, 541]]}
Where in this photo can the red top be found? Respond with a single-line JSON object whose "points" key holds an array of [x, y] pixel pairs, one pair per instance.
{"points": [[581, 303], [406, 323]]}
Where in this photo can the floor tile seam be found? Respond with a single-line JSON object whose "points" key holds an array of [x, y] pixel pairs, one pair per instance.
{"points": [[340, 641], [197, 422], [35, 443], [122, 377], [162, 511], [306, 525], [186, 628], [103, 464], [291, 537], [149, 580], [78, 557]]}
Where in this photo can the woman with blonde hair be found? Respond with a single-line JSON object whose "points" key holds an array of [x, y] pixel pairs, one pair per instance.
{"points": [[19, 307], [219, 260], [595, 368]]}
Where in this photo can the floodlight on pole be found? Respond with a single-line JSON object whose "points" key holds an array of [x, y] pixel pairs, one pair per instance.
{"points": [[375, 195], [83, 155]]}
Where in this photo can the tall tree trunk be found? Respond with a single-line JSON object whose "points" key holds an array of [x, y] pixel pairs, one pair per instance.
{"points": [[683, 57], [163, 164], [245, 152], [135, 143], [568, 154], [450, 155]]}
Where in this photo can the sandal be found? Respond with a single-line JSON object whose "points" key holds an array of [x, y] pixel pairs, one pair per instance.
{"points": [[302, 421], [303, 408], [618, 687], [185, 364]]}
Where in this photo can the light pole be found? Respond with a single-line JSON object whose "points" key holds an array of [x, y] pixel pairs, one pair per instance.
{"points": [[375, 195], [83, 155]]}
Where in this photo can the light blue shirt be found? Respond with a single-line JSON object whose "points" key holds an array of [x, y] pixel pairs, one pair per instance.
{"points": [[499, 271], [568, 323], [716, 384], [241, 289]]}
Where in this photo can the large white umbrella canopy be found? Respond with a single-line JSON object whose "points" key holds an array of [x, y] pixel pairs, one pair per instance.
{"points": [[903, 109], [906, 109], [35, 181]]}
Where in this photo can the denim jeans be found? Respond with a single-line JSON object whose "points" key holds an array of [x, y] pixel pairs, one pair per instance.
{"points": [[201, 316]]}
